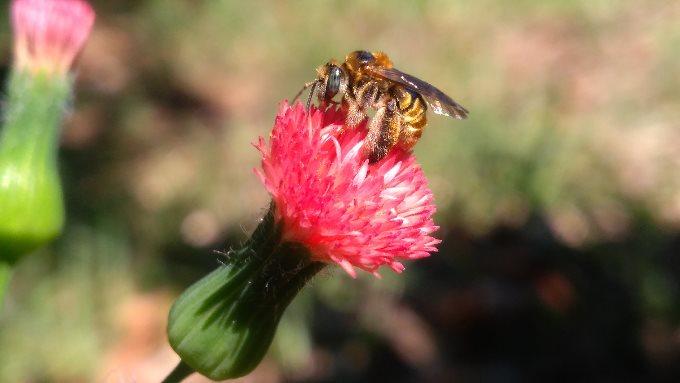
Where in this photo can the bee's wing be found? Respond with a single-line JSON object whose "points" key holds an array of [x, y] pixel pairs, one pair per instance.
{"points": [[438, 100]]}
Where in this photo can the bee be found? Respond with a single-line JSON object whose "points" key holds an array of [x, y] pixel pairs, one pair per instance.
{"points": [[369, 81]]}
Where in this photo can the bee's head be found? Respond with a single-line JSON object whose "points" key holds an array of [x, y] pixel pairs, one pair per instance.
{"points": [[331, 80]]}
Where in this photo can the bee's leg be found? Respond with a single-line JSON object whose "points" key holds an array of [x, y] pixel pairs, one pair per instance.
{"points": [[311, 94], [364, 95], [410, 133], [354, 112], [383, 131], [304, 87]]}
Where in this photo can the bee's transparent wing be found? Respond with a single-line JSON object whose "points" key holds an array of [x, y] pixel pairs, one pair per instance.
{"points": [[438, 100]]}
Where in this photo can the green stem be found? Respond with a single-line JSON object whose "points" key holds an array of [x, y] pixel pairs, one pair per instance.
{"points": [[181, 372], [5, 277]]}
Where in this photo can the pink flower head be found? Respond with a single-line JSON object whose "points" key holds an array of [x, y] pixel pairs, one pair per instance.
{"points": [[49, 34], [343, 209]]}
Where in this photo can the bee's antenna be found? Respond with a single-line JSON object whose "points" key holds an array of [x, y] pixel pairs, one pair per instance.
{"points": [[307, 85], [311, 93]]}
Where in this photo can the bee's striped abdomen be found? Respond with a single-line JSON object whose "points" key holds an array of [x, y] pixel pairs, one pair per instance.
{"points": [[412, 109]]}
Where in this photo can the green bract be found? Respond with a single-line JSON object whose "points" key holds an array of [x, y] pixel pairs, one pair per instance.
{"points": [[223, 324], [31, 201]]}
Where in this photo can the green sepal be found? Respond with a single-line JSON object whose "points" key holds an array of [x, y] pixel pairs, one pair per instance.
{"points": [[223, 325]]}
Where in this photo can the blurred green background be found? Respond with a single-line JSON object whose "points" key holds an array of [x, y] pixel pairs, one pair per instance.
{"points": [[559, 198]]}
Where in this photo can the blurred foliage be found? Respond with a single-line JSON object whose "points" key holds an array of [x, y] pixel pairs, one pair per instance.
{"points": [[559, 199]]}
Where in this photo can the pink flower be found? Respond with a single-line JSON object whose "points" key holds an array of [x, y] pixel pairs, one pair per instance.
{"points": [[330, 199], [49, 34]]}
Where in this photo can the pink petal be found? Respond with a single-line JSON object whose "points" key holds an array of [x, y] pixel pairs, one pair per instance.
{"points": [[331, 200]]}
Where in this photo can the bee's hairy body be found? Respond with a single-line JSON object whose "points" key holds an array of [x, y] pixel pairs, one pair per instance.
{"points": [[400, 114], [368, 81]]}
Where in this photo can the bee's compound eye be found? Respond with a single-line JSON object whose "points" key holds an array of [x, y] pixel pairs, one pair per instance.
{"points": [[333, 82], [364, 57]]}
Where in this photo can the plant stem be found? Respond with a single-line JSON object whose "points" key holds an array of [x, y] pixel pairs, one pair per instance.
{"points": [[181, 372], [5, 276]]}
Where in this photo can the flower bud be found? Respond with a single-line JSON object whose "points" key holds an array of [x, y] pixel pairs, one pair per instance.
{"points": [[48, 34]]}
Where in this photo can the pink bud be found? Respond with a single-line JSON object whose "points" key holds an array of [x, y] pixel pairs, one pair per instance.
{"points": [[49, 34]]}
